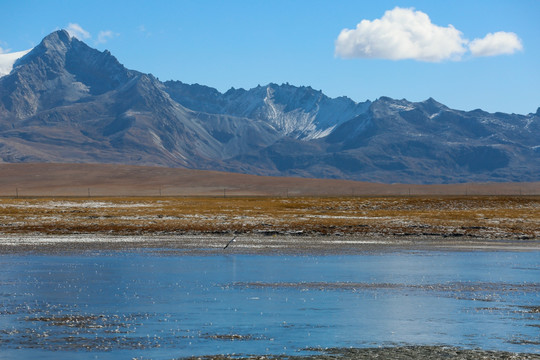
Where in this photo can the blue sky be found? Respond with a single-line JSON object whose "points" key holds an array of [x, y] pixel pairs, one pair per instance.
{"points": [[227, 44]]}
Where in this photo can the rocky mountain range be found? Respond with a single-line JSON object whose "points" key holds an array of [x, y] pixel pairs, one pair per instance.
{"points": [[68, 103]]}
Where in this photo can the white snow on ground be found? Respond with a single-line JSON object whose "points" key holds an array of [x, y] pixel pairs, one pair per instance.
{"points": [[7, 61], [247, 241], [348, 217], [51, 239], [82, 204]]}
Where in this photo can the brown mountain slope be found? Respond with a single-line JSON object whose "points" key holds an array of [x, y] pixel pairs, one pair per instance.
{"points": [[47, 179]]}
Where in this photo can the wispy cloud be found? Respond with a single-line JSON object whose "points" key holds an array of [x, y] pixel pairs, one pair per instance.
{"points": [[143, 30], [75, 30], [494, 44], [409, 34], [3, 49], [104, 36]]}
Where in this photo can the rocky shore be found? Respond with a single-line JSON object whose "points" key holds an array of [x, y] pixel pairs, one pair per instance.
{"points": [[392, 353]]}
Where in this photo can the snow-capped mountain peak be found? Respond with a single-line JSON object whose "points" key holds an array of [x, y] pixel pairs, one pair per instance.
{"points": [[66, 102]]}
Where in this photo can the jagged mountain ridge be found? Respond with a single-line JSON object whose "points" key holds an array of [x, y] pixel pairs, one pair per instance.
{"points": [[67, 102], [298, 112]]}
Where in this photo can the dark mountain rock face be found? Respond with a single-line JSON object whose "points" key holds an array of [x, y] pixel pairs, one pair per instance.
{"points": [[67, 102], [59, 71]]}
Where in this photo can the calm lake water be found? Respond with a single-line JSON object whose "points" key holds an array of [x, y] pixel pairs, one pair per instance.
{"points": [[165, 305]]}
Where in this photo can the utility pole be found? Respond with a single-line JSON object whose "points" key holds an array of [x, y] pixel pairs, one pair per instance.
{"points": [[88, 192], [17, 192]]}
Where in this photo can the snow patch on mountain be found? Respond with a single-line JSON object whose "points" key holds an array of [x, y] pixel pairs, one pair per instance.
{"points": [[297, 112], [401, 107], [297, 123], [305, 114], [157, 140], [8, 60]]}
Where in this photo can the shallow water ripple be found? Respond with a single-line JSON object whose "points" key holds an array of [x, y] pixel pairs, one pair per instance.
{"points": [[129, 304]]}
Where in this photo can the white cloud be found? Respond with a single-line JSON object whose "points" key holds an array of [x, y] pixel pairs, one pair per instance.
{"points": [[401, 34], [104, 36], [75, 30], [409, 34], [498, 43]]}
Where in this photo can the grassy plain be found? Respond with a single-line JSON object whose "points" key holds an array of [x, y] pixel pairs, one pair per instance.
{"points": [[488, 217]]}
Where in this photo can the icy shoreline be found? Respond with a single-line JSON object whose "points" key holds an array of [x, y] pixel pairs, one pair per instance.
{"points": [[256, 244]]}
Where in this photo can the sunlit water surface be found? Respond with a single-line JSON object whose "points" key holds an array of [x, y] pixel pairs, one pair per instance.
{"points": [[164, 305]]}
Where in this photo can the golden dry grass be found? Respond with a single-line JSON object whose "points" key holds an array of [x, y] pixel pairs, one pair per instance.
{"points": [[483, 216]]}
